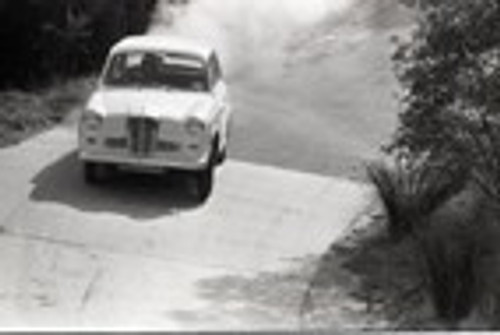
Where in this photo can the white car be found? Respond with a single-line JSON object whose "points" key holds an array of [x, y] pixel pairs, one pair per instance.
{"points": [[161, 102]]}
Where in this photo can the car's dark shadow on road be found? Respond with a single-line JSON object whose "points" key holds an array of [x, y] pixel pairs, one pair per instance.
{"points": [[140, 196]]}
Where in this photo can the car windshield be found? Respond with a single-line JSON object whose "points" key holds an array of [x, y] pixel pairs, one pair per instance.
{"points": [[155, 69]]}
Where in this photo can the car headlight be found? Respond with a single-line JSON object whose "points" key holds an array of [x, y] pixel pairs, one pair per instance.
{"points": [[195, 126], [91, 120]]}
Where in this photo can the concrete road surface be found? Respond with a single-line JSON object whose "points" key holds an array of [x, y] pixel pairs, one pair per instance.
{"points": [[138, 253]]}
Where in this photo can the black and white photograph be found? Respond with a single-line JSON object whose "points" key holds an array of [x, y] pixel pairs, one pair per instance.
{"points": [[249, 165]]}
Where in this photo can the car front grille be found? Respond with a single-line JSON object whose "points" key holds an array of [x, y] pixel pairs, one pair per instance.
{"points": [[143, 134]]}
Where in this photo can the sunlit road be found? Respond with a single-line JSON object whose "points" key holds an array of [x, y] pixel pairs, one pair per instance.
{"points": [[312, 91]]}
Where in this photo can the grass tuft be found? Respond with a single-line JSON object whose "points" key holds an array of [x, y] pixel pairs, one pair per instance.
{"points": [[410, 190]]}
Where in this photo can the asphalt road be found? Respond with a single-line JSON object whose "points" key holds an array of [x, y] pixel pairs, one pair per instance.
{"points": [[311, 85]]}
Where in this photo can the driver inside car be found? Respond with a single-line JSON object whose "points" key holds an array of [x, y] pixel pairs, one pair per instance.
{"points": [[151, 67]]}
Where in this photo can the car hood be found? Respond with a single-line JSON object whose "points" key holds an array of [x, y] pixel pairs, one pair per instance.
{"points": [[157, 103]]}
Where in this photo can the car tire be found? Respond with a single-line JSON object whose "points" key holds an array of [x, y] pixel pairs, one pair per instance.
{"points": [[204, 179], [203, 183]]}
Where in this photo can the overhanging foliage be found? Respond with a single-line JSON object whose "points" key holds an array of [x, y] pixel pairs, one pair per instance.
{"points": [[451, 66], [43, 39]]}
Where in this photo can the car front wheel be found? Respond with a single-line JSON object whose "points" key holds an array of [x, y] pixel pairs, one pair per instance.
{"points": [[203, 183], [204, 179]]}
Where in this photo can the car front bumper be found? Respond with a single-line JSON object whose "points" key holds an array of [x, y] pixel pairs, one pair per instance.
{"points": [[147, 162]]}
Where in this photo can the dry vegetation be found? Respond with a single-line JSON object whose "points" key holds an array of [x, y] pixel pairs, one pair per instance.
{"points": [[441, 275], [24, 113]]}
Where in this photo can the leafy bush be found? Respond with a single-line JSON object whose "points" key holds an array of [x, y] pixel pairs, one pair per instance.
{"points": [[450, 74], [449, 67], [479, 140]]}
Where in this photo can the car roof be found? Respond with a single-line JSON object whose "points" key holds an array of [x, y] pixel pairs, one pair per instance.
{"points": [[163, 43]]}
